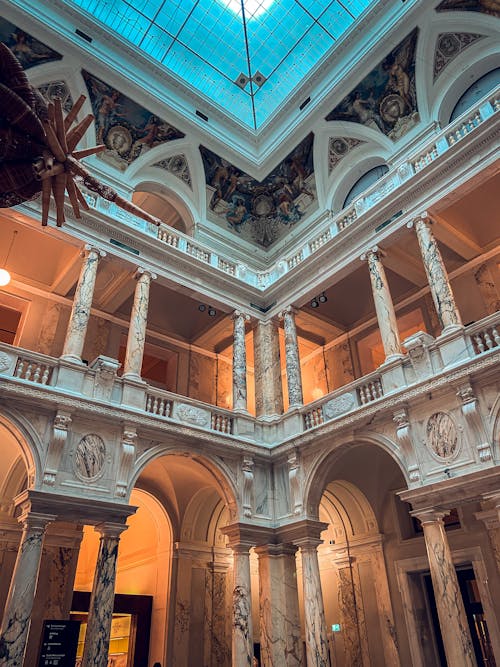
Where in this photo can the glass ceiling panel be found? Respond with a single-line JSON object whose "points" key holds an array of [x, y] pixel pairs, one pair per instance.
{"points": [[246, 56]]}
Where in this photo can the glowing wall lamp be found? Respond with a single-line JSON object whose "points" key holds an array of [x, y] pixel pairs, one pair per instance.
{"points": [[4, 274]]}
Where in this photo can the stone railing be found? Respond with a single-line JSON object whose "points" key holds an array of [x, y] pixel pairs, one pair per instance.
{"points": [[35, 369], [98, 383], [328, 226], [485, 335]]}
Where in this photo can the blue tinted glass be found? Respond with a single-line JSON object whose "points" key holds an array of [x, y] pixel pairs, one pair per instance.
{"points": [[204, 42]]}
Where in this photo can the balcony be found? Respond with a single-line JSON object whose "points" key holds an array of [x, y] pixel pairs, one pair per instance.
{"points": [[429, 364]]}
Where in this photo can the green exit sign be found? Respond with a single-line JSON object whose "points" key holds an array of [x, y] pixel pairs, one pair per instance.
{"points": [[336, 627]]}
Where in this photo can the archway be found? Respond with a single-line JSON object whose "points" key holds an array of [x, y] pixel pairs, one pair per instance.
{"points": [[173, 553]]}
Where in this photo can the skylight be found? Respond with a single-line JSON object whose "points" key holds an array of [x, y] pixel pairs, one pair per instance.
{"points": [[246, 60]]}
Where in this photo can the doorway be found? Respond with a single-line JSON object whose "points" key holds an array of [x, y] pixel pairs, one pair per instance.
{"points": [[475, 616]]}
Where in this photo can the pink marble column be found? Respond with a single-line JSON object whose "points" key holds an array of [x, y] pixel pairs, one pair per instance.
{"points": [[95, 651], [450, 607], [293, 373], [437, 277], [82, 303], [137, 329], [239, 361], [280, 642], [317, 652], [19, 605], [268, 388], [384, 308]]}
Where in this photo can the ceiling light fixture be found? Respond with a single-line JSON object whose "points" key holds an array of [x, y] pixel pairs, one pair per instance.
{"points": [[4, 274], [211, 311], [202, 308], [314, 303], [322, 298]]}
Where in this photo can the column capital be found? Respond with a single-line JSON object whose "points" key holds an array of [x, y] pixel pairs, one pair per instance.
{"points": [[110, 529], [141, 271], [288, 310], [422, 218], [430, 515], [88, 248], [34, 520], [276, 550], [373, 251], [236, 314], [244, 536], [302, 533]]}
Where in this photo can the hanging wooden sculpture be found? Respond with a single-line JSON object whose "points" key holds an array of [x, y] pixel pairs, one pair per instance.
{"points": [[38, 148]]}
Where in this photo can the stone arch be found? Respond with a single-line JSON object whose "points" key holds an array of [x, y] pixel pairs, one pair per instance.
{"points": [[460, 77], [344, 503], [219, 471], [179, 207], [22, 436], [317, 477], [203, 517]]}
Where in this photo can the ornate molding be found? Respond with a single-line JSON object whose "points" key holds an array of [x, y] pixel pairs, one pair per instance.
{"points": [[60, 426]]}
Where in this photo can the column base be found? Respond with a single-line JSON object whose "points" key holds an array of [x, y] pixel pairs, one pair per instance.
{"points": [[453, 346], [72, 358]]}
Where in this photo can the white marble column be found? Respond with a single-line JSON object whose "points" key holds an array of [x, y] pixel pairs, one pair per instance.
{"points": [[317, 653], [95, 651], [137, 328], [352, 618], [242, 639], [384, 308], [385, 613], [490, 516], [293, 374], [217, 650], [82, 303], [437, 277], [17, 615], [268, 388], [452, 618], [239, 361], [280, 641]]}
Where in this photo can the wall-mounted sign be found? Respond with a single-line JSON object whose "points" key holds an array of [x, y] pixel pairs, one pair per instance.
{"points": [[336, 627], [59, 644]]}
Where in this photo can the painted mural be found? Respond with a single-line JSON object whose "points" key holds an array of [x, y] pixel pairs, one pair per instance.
{"points": [[127, 129], [448, 46], [28, 50], [486, 6], [386, 98], [261, 211]]}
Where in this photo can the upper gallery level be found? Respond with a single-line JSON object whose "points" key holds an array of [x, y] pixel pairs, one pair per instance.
{"points": [[393, 107]]}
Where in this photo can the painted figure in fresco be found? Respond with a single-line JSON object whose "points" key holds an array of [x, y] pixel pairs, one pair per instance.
{"points": [[107, 113], [487, 6], [237, 214], [365, 111], [28, 50]]}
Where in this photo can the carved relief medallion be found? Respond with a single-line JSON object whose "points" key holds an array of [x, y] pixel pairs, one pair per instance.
{"points": [[89, 457], [339, 406], [192, 415], [442, 437], [4, 361]]}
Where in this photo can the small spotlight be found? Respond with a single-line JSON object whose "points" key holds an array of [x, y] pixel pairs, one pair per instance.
{"points": [[212, 312], [202, 308], [314, 303], [322, 298]]}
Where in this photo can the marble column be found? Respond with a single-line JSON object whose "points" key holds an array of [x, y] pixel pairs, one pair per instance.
{"points": [[437, 277], [280, 641], [137, 328], [268, 388], [217, 651], [385, 613], [242, 637], [490, 516], [293, 374], [317, 653], [95, 650], [352, 619], [239, 361], [452, 618], [384, 308], [82, 303], [17, 615]]}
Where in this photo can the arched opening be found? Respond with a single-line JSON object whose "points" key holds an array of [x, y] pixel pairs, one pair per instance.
{"points": [[159, 207], [363, 183], [174, 555], [475, 92]]}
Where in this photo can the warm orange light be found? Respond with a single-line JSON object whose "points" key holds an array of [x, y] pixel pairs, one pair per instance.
{"points": [[4, 277]]}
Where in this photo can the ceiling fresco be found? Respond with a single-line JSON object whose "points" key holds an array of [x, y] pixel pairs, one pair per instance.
{"points": [[127, 129], [448, 46], [486, 6], [386, 98], [261, 211], [28, 50]]}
